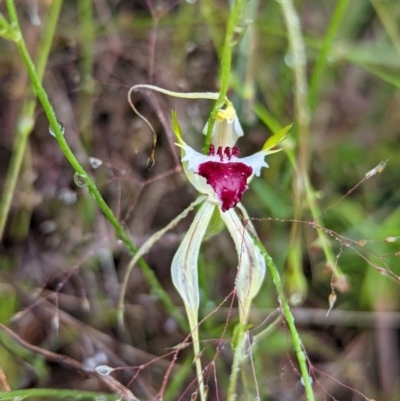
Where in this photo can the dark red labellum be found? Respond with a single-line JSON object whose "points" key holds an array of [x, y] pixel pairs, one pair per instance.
{"points": [[229, 180]]}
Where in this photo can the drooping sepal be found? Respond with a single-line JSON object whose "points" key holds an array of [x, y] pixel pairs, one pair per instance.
{"points": [[184, 264], [251, 263]]}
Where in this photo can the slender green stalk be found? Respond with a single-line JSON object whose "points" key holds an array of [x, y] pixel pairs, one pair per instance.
{"points": [[245, 65], [302, 186], [154, 284], [340, 9], [312, 204], [238, 345], [298, 62], [194, 325], [301, 168], [296, 280], [297, 344], [26, 120], [226, 63], [86, 32], [51, 393]]}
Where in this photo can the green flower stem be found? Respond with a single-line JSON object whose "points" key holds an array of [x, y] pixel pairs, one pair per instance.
{"points": [[226, 63], [194, 327], [51, 393], [246, 66], [299, 59], [86, 28], [26, 120], [296, 280], [340, 9], [155, 286], [297, 344], [238, 344]]}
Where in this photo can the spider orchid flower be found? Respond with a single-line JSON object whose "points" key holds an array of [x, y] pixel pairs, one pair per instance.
{"points": [[223, 177]]}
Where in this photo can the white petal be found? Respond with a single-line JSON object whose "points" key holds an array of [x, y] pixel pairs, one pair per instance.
{"points": [[256, 162], [251, 263], [193, 158], [184, 264]]}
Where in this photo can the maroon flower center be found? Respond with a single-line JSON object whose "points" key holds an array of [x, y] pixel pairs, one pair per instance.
{"points": [[228, 179]]}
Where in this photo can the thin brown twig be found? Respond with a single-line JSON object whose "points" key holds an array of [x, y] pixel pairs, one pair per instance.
{"points": [[109, 381]]}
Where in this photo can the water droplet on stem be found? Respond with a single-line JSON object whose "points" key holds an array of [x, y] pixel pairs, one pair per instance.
{"points": [[62, 129], [80, 180]]}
